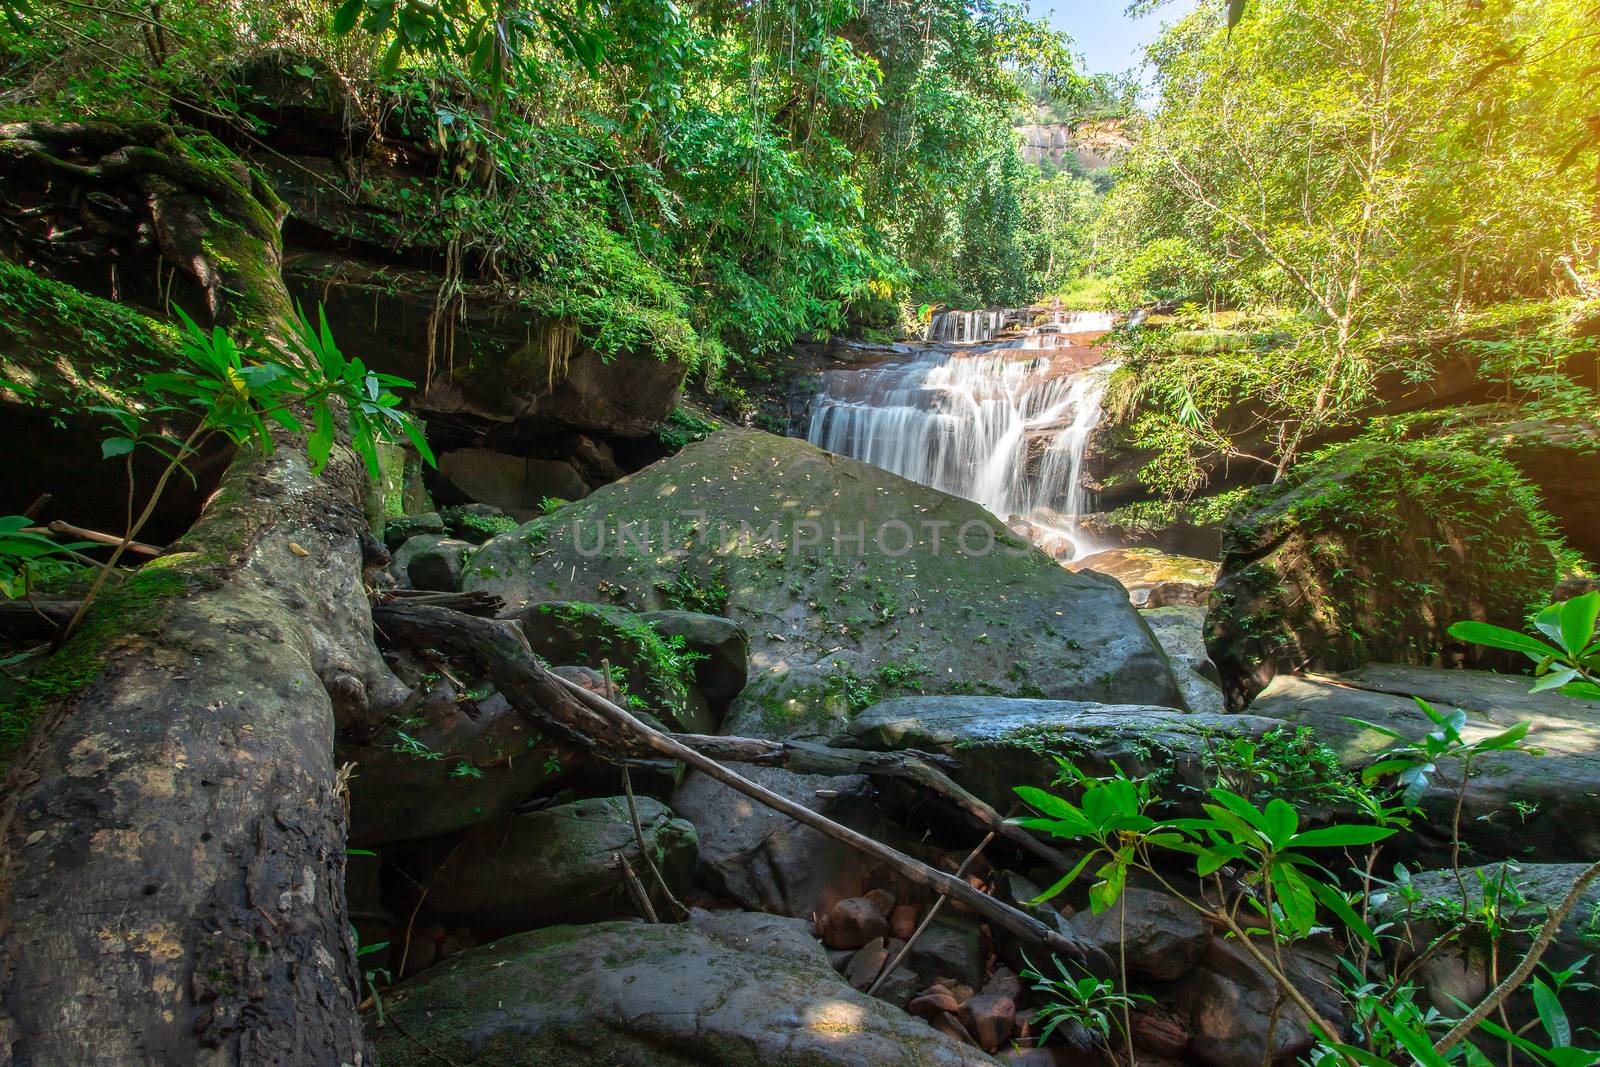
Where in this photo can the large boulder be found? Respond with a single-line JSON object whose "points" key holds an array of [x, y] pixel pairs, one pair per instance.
{"points": [[853, 583], [1238, 1016], [517, 485], [763, 860], [1516, 805], [1370, 552], [1160, 936], [1462, 971], [723, 644], [559, 865], [1561, 457], [1001, 743], [720, 991]]}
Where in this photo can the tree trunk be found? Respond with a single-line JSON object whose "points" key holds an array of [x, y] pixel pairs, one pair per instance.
{"points": [[174, 840]]}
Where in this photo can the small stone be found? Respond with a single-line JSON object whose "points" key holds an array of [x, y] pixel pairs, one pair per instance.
{"points": [[930, 1005], [865, 966], [420, 955], [903, 921], [1158, 1031], [1005, 981], [851, 923], [989, 1018], [882, 898]]}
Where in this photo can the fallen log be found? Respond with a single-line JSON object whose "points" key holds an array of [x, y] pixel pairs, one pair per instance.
{"points": [[590, 720]]}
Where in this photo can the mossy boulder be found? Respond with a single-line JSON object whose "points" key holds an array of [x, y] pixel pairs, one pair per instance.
{"points": [[1370, 551], [653, 671], [719, 991], [919, 591], [559, 865]]}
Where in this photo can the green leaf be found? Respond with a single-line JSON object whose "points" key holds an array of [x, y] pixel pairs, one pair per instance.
{"points": [[1281, 821], [1578, 617], [116, 446], [1049, 803], [1236, 9], [344, 19], [1415, 1042], [1340, 836], [1065, 880], [1332, 899], [1551, 1015], [319, 445], [1482, 633], [1506, 739]]}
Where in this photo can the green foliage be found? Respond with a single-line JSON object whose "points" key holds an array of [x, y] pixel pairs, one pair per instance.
{"points": [[23, 552], [1566, 658], [682, 428], [1090, 1002], [1292, 765]]}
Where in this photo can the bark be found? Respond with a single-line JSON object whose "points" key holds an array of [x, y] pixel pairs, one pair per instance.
{"points": [[174, 839]]}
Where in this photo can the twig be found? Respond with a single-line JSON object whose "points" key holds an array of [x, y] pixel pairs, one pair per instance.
{"points": [[644, 851], [68, 529], [636, 889]]}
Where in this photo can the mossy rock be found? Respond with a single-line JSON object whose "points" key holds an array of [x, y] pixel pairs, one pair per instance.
{"points": [[719, 991], [947, 600], [1370, 551]]}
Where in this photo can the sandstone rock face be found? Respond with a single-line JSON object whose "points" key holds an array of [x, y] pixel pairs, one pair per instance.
{"points": [[1154, 579], [559, 865], [518, 485], [936, 594], [715, 992], [1369, 554], [1181, 632], [1000, 743], [1516, 804]]}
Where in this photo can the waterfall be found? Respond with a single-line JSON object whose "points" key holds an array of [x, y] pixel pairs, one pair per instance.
{"points": [[1005, 424]]}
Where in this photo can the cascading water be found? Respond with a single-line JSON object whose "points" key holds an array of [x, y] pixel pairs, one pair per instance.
{"points": [[1004, 424]]}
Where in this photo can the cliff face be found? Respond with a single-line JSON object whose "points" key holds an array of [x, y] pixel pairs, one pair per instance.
{"points": [[1095, 143]]}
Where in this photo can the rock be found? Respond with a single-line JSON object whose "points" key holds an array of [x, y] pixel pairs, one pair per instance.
{"points": [[397, 794], [1229, 1001], [899, 987], [903, 921], [439, 565], [397, 531], [1153, 578], [1000, 743], [950, 948], [1517, 805], [412, 547], [1046, 1056], [558, 865], [1181, 632], [835, 624], [870, 960], [764, 860], [1161, 936], [653, 668], [723, 643], [882, 899], [475, 523], [1527, 893], [950, 1026], [988, 1017], [929, 1005], [1369, 553], [1159, 1032], [518, 485], [636, 995], [851, 923], [1561, 457]]}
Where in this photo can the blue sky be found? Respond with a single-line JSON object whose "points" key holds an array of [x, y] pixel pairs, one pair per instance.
{"points": [[1110, 41]]}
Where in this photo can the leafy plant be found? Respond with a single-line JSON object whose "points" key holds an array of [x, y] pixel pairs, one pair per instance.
{"points": [[1090, 1002], [23, 551], [1566, 658]]}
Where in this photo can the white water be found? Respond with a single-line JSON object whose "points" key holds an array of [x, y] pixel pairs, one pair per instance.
{"points": [[1002, 424]]}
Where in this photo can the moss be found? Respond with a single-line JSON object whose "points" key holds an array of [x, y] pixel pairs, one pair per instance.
{"points": [[124, 611], [64, 347]]}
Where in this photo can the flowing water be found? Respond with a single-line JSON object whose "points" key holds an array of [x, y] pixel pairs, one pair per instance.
{"points": [[1000, 422]]}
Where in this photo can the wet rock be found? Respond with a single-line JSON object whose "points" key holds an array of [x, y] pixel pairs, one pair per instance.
{"points": [[764, 860], [851, 923], [637, 995], [1367, 554], [1161, 936], [934, 1002], [999, 743], [558, 865], [1517, 805], [723, 643], [1002, 613]]}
